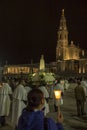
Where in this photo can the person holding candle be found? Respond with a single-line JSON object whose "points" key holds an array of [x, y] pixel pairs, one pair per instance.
{"points": [[32, 117], [58, 102]]}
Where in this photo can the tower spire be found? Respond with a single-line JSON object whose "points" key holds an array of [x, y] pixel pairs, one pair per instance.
{"points": [[63, 25], [62, 43]]}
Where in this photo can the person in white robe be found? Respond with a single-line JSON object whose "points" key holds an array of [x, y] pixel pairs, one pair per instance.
{"points": [[19, 102], [5, 101], [84, 84], [27, 87], [66, 84], [49, 88], [46, 96]]}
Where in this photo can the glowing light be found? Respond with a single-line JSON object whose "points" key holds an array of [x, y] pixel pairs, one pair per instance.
{"points": [[57, 94]]}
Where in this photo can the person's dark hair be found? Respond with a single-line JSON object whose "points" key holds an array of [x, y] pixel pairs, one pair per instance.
{"points": [[34, 97]]}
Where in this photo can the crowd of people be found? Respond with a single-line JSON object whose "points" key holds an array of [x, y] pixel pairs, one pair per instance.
{"points": [[26, 105]]}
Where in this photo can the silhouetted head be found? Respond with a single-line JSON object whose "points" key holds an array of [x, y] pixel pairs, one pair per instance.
{"points": [[35, 99]]}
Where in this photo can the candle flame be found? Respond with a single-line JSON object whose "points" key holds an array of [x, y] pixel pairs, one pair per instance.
{"points": [[57, 94]]}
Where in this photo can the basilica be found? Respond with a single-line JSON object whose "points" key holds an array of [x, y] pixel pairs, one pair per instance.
{"points": [[69, 57]]}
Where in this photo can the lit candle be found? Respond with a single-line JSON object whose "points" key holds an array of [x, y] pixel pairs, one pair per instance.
{"points": [[57, 94]]}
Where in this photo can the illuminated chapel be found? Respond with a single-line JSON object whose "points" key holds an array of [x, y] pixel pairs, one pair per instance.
{"points": [[69, 57]]}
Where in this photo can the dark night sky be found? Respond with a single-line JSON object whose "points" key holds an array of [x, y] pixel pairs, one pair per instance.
{"points": [[29, 28]]}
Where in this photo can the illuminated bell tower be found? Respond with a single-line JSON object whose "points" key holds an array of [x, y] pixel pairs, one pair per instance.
{"points": [[62, 42]]}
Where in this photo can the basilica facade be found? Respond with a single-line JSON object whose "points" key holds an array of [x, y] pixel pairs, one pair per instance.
{"points": [[69, 57]]}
